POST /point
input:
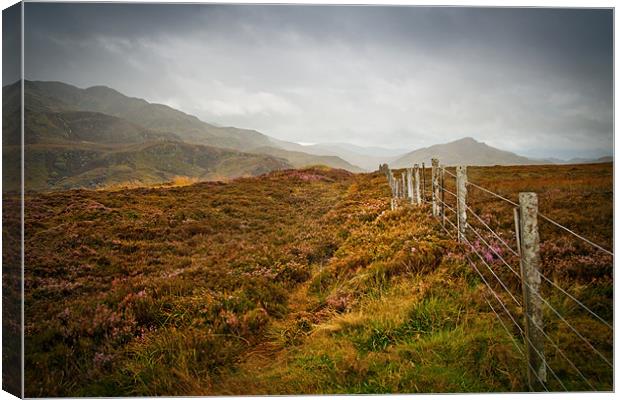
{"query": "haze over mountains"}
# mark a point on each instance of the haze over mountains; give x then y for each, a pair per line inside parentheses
(97, 137)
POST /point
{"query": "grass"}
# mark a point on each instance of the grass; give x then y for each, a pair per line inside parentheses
(294, 282)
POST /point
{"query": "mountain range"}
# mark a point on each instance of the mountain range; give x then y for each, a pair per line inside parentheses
(98, 137)
(466, 151)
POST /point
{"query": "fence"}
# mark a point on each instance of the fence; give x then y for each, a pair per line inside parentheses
(566, 344)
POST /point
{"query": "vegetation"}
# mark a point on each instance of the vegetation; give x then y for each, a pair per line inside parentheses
(298, 281)
(89, 138)
(55, 166)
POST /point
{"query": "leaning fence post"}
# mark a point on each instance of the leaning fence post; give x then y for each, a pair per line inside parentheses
(443, 197)
(397, 185)
(461, 204)
(416, 191)
(423, 182)
(410, 184)
(435, 184)
(529, 246)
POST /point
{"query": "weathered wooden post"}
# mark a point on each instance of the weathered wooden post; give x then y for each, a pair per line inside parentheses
(410, 184)
(529, 249)
(435, 186)
(416, 188)
(403, 184)
(397, 186)
(423, 182)
(443, 197)
(461, 203)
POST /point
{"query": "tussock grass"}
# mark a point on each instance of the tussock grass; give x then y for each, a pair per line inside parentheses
(295, 282)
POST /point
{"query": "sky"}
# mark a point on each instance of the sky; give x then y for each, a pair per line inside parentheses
(535, 81)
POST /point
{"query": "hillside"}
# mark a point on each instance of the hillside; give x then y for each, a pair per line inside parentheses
(298, 281)
(367, 158)
(300, 159)
(87, 165)
(57, 112)
(466, 151)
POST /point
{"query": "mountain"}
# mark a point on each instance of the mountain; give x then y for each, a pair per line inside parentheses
(368, 158)
(157, 119)
(466, 151)
(374, 151)
(580, 160)
(91, 165)
(67, 148)
(97, 136)
(300, 159)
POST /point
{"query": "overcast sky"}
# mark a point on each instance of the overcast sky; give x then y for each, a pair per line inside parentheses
(534, 81)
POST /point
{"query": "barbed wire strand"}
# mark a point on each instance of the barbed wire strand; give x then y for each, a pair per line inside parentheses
(577, 301)
(449, 192)
(495, 252)
(575, 234)
(572, 327)
(491, 270)
(517, 325)
(496, 296)
(447, 206)
(492, 193)
(448, 172)
(552, 309)
(545, 218)
(491, 230)
(544, 277)
(512, 337)
(517, 274)
(517, 344)
(555, 346)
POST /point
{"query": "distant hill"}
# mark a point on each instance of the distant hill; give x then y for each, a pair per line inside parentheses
(300, 159)
(88, 165)
(580, 160)
(47, 100)
(368, 158)
(466, 151)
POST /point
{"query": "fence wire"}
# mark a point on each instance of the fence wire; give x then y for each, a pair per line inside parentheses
(454, 209)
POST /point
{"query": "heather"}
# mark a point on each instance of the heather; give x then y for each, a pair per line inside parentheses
(298, 281)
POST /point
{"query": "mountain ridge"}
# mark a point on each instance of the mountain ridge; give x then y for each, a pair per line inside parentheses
(464, 151)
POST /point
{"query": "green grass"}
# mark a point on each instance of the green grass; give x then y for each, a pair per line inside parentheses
(297, 282)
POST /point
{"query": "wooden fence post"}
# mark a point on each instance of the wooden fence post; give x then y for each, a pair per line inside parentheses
(435, 186)
(443, 197)
(423, 182)
(529, 247)
(403, 182)
(416, 188)
(410, 184)
(461, 204)
(397, 184)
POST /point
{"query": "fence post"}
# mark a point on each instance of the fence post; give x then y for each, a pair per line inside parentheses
(397, 184)
(529, 246)
(443, 197)
(435, 185)
(416, 188)
(403, 182)
(461, 204)
(410, 184)
(423, 182)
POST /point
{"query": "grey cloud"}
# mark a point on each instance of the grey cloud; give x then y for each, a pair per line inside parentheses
(519, 79)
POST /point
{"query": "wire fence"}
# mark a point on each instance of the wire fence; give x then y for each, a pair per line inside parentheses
(573, 349)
